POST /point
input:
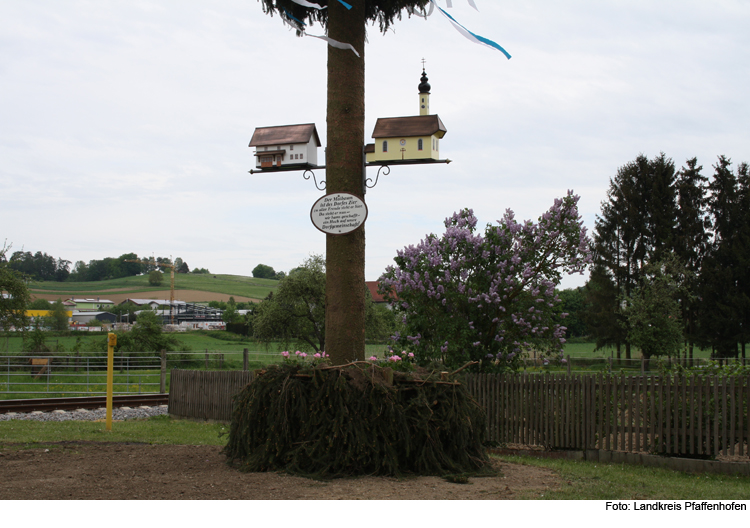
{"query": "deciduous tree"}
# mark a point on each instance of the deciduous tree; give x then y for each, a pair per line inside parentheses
(155, 278)
(14, 296)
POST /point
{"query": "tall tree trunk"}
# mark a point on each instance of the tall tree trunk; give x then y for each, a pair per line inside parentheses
(345, 254)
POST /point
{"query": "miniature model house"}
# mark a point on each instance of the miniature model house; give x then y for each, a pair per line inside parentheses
(408, 138)
(287, 145)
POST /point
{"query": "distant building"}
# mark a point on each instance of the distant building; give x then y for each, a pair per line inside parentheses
(287, 145)
(85, 305)
(87, 317)
(156, 304)
(376, 297)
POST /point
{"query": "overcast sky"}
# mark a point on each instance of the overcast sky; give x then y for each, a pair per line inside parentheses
(124, 125)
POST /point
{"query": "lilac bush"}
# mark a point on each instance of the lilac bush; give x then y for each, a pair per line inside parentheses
(489, 298)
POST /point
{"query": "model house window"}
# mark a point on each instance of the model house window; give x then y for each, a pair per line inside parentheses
(301, 156)
(385, 146)
(419, 144)
(291, 147)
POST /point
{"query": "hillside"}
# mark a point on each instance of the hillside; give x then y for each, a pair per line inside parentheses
(188, 287)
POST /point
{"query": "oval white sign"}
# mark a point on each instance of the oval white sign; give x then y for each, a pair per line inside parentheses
(339, 213)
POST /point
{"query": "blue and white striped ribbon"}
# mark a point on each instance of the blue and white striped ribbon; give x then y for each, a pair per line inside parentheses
(477, 39)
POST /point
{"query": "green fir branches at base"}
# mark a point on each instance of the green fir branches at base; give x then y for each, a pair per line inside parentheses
(328, 422)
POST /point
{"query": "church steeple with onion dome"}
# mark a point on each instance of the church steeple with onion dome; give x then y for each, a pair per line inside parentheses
(424, 93)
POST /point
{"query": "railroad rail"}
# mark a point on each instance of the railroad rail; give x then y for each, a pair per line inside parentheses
(84, 402)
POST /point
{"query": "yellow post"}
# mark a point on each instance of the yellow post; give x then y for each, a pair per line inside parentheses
(111, 343)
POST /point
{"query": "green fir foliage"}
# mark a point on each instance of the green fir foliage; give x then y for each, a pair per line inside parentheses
(357, 419)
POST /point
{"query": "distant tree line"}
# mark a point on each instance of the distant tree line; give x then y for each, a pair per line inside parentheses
(40, 266)
(671, 260)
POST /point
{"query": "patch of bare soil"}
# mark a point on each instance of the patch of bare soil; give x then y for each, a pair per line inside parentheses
(127, 471)
(179, 295)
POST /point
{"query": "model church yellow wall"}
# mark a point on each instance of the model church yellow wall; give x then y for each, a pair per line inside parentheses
(410, 149)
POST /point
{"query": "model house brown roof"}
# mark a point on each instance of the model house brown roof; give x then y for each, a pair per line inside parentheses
(278, 135)
(409, 126)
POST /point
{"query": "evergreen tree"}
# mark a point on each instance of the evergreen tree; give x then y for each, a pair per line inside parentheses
(721, 276)
(691, 239)
(743, 253)
(637, 225)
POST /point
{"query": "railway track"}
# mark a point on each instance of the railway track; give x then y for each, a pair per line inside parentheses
(84, 402)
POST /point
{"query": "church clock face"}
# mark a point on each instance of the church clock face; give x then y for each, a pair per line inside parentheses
(403, 142)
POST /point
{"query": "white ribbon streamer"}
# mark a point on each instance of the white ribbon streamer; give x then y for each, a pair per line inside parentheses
(334, 43)
(305, 3)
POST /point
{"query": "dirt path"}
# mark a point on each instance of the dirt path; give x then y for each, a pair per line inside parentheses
(128, 471)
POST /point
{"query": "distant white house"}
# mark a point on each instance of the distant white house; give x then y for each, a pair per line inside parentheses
(287, 145)
(86, 305)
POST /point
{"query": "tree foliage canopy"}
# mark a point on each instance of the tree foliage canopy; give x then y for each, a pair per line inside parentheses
(155, 278)
(295, 313)
(145, 336)
(464, 296)
(653, 214)
(57, 319)
(382, 12)
(14, 296)
(653, 312)
(263, 271)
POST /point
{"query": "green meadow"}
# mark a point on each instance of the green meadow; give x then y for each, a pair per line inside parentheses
(236, 285)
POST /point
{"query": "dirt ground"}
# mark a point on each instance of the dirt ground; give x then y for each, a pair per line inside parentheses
(138, 471)
(180, 295)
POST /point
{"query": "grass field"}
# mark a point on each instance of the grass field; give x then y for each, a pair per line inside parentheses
(595, 481)
(155, 430)
(226, 284)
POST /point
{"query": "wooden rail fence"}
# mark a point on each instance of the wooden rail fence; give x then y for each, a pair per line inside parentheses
(205, 395)
(674, 415)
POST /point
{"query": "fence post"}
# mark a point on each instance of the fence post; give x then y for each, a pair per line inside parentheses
(568, 364)
(206, 359)
(244, 360)
(163, 377)
(609, 362)
(643, 366)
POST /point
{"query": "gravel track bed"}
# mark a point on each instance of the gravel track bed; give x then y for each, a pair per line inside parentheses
(121, 413)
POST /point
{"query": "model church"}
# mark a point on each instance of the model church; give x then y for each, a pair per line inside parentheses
(408, 138)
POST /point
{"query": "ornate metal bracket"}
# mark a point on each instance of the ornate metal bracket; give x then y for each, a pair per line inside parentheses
(321, 187)
(386, 171)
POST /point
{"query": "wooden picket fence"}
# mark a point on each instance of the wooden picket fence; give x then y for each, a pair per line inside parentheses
(204, 394)
(673, 415)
